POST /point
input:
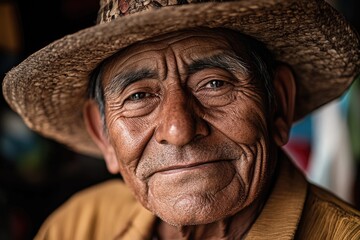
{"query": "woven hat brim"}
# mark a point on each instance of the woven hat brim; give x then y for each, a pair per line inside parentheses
(49, 88)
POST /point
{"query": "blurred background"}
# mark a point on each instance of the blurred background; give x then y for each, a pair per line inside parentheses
(37, 174)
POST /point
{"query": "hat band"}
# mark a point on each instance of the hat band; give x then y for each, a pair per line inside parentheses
(112, 9)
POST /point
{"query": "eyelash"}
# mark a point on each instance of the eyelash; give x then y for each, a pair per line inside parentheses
(135, 97)
(216, 81)
(138, 93)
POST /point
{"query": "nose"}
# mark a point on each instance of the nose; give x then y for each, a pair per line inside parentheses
(179, 122)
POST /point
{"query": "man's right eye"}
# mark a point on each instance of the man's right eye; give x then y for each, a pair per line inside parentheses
(214, 84)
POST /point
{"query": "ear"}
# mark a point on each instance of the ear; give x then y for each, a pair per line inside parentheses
(94, 126)
(285, 91)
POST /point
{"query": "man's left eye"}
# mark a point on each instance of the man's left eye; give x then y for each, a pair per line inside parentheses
(138, 96)
(215, 84)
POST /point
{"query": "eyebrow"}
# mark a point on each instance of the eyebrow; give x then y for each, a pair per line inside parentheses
(228, 61)
(122, 80)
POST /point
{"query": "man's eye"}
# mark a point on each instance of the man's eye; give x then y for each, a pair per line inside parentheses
(215, 84)
(138, 96)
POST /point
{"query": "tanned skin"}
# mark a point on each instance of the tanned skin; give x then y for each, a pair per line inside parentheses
(193, 139)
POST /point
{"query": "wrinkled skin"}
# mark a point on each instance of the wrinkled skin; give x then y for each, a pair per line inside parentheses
(196, 145)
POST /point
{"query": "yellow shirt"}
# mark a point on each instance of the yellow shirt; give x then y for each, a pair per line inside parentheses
(295, 209)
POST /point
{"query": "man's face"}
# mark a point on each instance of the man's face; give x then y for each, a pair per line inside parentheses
(187, 126)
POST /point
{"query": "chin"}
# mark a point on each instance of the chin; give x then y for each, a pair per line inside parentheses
(198, 210)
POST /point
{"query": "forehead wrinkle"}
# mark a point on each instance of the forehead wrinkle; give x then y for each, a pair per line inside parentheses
(173, 59)
(227, 60)
(199, 39)
(125, 57)
(124, 79)
(174, 43)
(153, 46)
(171, 40)
(189, 56)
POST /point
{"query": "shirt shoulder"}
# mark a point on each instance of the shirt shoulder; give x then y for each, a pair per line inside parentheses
(94, 213)
(326, 216)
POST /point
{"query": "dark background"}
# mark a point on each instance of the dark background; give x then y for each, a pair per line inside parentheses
(37, 174)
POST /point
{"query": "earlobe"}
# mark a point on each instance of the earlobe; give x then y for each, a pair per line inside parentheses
(94, 126)
(285, 91)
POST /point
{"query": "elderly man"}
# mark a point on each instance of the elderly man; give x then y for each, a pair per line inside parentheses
(191, 104)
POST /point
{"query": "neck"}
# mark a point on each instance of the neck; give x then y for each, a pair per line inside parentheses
(234, 227)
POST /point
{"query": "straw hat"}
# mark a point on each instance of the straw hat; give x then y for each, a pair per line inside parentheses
(48, 89)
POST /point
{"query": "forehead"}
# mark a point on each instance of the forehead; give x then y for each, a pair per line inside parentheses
(201, 39)
(187, 45)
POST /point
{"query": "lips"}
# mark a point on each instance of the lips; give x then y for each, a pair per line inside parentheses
(184, 167)
(170, 159)
(174, 169)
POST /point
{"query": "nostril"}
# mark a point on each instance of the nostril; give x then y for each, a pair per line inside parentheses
(197, 137)
(163, 142)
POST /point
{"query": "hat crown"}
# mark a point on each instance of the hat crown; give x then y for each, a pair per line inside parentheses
(112, 9)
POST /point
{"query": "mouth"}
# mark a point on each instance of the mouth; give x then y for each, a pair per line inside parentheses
(187, 167)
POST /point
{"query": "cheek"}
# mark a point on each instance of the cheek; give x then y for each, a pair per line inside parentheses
(242, 123)
(129, 138)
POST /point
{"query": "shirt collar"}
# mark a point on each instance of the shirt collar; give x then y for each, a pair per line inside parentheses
(282, 211)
